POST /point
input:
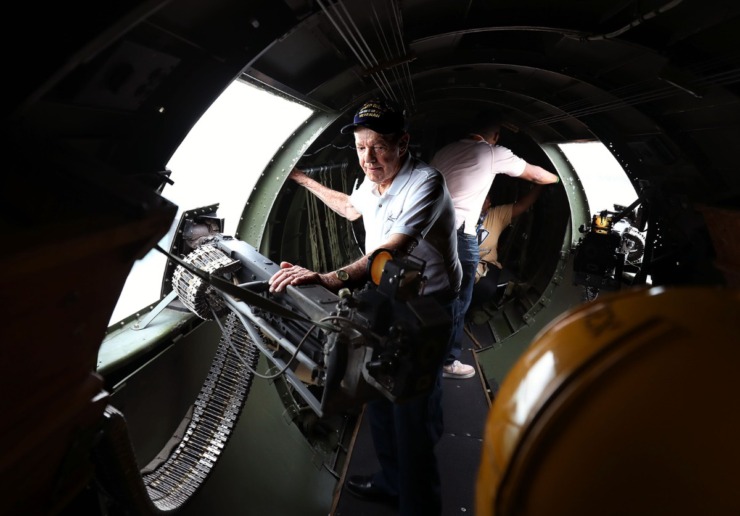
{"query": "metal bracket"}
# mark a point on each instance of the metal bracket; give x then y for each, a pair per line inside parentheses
(144, 322)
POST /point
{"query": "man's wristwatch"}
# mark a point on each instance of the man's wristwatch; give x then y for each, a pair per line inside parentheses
(342, 275)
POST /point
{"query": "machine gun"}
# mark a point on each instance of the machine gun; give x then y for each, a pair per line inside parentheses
(335, 351)
(611, 242)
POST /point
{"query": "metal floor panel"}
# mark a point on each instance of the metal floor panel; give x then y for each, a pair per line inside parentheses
(465, 406)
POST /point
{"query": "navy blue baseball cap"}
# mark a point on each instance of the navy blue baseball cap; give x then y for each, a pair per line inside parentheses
(380, 115)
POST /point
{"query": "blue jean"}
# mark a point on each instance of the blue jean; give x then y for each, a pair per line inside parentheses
(404, 436)
(467, 252)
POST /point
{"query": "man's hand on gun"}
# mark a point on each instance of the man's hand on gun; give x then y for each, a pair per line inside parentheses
(290, 274)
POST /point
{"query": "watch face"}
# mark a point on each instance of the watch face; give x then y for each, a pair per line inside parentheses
(342, 275)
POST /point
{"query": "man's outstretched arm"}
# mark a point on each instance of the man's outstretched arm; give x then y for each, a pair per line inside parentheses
(538, 175)
(337, 201)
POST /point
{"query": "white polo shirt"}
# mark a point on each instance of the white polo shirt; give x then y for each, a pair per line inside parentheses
(469, 167)
(416, 204)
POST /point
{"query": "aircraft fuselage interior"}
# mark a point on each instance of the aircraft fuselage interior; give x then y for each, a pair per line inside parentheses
(213, 395)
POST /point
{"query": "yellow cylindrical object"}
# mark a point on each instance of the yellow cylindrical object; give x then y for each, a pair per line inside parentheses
(626, 405)
(377, 264)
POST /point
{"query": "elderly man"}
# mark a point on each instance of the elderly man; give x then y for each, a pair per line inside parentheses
(405, 206)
